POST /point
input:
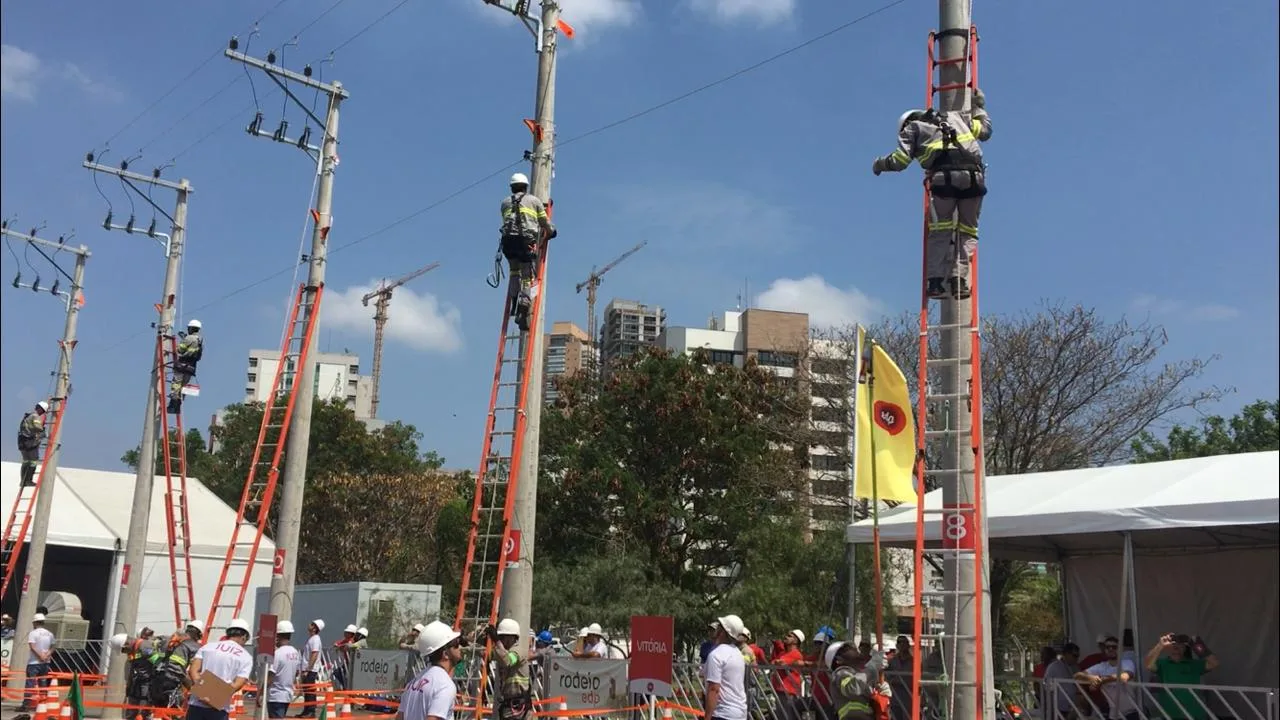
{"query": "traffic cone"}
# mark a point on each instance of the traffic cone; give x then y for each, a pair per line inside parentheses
(41, 712)
(346, 708)
(239, 708)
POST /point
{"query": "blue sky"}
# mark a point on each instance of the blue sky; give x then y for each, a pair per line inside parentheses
(1128, 172)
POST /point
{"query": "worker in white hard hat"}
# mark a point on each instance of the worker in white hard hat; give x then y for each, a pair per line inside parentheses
(30, 437)
(141, 653)
(228, 661)
(41, 643)
(726, 672)
(343, 650)
(190, 350)
(947, 146)
(312, 660)
(593, 643)
(431, 694)
(409, 643)
(526, 226)
(172, 665)
(283, 672)
(514, 695)
(854, 680)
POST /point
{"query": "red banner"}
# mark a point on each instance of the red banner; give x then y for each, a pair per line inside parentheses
(652, 642)
(511, 551)
(266, 634)
(277, 565)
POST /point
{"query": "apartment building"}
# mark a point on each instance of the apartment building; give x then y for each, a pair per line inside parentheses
(337, 376)
(566, 350)
(629, 326)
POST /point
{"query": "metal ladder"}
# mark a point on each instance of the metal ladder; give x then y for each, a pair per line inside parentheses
(174, 455)
(18, 523)
(492, 540)
(961, 522)
(254, 512)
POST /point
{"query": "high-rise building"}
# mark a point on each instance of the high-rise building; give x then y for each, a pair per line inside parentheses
(629, 326)
(566, 351)
(337, 377)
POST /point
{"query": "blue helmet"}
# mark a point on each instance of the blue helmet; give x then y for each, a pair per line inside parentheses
(545, 637)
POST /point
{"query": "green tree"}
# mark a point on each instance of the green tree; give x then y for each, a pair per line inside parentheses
(663, 470)
(199, 460)
(1254, 429)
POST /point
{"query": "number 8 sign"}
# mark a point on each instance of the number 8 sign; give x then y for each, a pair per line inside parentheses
(957, 528)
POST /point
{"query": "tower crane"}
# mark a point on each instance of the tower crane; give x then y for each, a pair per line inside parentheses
(591, 283)
(383, 301)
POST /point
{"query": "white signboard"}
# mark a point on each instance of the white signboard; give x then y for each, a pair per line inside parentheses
(386, 670)
(589, 684)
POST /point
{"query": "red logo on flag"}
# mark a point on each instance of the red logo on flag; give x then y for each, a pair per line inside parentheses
(889, 417)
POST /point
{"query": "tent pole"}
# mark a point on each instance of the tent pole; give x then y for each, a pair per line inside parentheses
(109, 617)
(1123, 608)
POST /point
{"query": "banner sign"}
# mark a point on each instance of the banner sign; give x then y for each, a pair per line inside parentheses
(588, 684)
(386, 670)
(652, 641)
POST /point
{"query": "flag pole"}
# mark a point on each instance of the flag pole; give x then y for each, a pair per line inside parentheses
(875, 504)
(859, 333)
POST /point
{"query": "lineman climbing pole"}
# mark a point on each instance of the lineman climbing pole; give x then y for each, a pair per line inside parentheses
(294, 422)
(155, 422)
(951, 406)
(39, 520)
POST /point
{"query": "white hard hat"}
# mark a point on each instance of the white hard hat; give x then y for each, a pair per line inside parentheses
(821, 637)
(908, 116)
(38, 617)
(583, 633)
(284, 627)
(830, 656)
(197, 625)
(519, 179)
(194, 324)
(239, 624)
(118, 641)
(418, 628)
(746, 634)
(509, 627)
(435, 636)
(318, 623)
(363, 631)
(799, 635)
(43, 405)
(351, 629)
(732, 625)
(594, 629)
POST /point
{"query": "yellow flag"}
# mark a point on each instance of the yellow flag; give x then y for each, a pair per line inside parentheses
(886, 439)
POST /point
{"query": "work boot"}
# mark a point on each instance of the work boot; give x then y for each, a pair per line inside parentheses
(936, 288)
(175, 405)
(522, 316)
(959, 288)
(28, 476)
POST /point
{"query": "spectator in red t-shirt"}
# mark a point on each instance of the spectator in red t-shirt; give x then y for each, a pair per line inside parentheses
(788, 683)
(820, 704)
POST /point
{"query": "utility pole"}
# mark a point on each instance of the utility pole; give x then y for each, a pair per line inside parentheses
(974, 689)
(135, 548)
(517, 586)
(294, 476)
(30, 591)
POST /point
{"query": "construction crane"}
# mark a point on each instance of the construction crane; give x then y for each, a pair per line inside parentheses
(591, 283)
(383, 295)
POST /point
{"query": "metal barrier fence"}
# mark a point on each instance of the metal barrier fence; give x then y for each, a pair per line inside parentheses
(1139, 700)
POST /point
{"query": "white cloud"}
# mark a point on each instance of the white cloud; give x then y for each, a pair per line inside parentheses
(1155, 305)
(419, 321)
(589, 14)
(759, 12)
(827, 306)
(21, 72)
(18, 71)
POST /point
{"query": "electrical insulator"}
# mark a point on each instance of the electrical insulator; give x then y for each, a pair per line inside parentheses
(306, 71)
(305, 138)
(54, 290)
(256, 124)
(88, 157)
(17, 279)
(271, 57)
(151, 229)
(106, 224)
(35, 286)
(279, 134)
(128, 227)
(234, 44)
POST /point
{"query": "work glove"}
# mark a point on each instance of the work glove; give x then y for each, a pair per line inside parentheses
(979, 99)
(552, 232)
(877, 167)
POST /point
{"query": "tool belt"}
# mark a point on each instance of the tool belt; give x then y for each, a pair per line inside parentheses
(515, 708)
(519, 248)
(942, 181)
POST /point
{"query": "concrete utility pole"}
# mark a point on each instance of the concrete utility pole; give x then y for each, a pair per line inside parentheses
(294, 476)
(974, 689)
(135, 550)
(517, 585)
(30, 591)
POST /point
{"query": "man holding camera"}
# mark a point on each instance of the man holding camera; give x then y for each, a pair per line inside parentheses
(1180, 659)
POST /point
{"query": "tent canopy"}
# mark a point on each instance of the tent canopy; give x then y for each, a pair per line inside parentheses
(1219, 502)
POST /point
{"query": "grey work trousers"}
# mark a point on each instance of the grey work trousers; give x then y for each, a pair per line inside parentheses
(953, 230)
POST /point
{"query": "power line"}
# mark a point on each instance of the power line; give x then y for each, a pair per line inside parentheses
(595, 131)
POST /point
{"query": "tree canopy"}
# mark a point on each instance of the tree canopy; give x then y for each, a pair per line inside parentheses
(1253, 429)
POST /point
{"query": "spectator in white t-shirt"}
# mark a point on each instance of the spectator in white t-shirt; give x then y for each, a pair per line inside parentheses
(313, 660)
(726, 673)
(430, 695)
(283, 672)
(1062, 670)
(40, 640)
(1112, 675)
(593, 644)
(228, 661)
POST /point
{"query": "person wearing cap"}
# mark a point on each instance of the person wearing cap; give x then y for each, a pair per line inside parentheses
(228, 661)
(593, 644)
(431, 694)
(789, 683)
(514, 695)
(40, 640)
(7, 630)
(283, 672)
(726, 673)
(312, 659)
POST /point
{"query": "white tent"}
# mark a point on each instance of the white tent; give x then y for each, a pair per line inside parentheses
(1205, 540)
(91, 510)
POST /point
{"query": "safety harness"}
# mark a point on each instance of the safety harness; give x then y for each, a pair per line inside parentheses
(30, 431)
(954, 157)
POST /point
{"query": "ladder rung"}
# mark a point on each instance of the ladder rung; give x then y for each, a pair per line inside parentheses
(949, 326)
(947, 361)
(932, 681)
(946, 396)
(936, 433)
